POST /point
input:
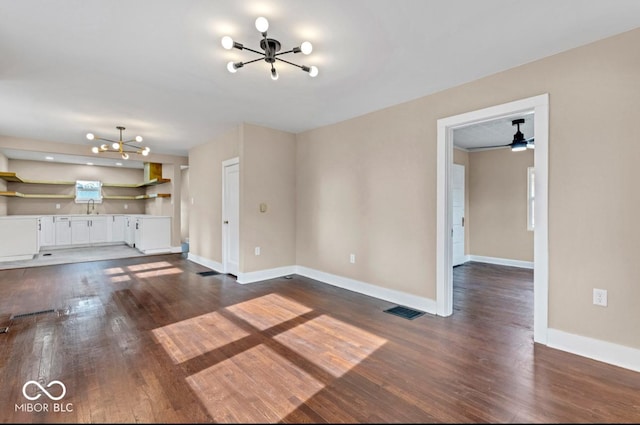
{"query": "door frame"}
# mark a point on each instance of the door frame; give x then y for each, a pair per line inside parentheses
(225, 231)
(444, 270)
(464, 211)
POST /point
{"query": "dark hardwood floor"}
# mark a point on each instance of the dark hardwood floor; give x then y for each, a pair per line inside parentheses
(150, 340)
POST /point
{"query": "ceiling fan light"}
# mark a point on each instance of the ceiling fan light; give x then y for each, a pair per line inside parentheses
(306, 48)
(530, 145)
(262, 24)
(519, 147)
(90, 136)
(274, 74)
(313, 71)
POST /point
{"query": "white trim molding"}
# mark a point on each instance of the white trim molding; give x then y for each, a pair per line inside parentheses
(213, 265)
(260, 275)
(424, 304)
(607, 352)
(444, 271)
(501, 261)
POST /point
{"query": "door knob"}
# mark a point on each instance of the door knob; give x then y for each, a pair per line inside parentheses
(226, 222)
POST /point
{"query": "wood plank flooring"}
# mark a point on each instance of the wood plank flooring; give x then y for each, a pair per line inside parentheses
(149, 340)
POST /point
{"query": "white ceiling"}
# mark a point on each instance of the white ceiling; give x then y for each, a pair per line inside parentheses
(68, 67)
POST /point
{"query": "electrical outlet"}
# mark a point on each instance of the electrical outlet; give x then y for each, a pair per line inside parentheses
(600, 297)
(257, 250)
(352, 258)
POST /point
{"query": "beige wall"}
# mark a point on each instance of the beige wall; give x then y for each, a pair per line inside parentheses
(267, 175)
(205, 212)
(461, 157)
(40, 170)
(498, 204)
(368, 186)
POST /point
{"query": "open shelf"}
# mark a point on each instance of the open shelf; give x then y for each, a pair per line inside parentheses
(14, 178)
(134, 197)
(35, 195)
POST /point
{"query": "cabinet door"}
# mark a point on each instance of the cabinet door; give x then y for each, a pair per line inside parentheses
(130, 224)
(117, 228)
(62, 230)
(80, 232)
(98, 229)
(47, 231)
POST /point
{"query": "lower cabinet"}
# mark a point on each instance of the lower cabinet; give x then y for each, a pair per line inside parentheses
(62, 232)
(46, 231)
(88, 230)
(150, 234)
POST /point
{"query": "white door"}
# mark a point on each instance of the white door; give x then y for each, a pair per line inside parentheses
(231, 216)
(457, 194)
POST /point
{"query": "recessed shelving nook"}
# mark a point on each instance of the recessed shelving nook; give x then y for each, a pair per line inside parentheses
(152, 177)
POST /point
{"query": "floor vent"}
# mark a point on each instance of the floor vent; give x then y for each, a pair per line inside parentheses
(4, 330)
(405, 312)
(33, 313)
(208, 273)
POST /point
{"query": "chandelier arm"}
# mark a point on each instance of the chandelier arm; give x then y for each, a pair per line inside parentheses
(284, 53)
(255, 51)
(107, 140)
(251, 61)
(290, 63)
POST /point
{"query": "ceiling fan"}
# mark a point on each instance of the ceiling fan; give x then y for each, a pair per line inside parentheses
(519, 143)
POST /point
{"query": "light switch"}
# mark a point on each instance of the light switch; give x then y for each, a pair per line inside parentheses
(263, 207)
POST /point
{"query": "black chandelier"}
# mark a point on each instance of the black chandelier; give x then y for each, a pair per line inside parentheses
(271, 51)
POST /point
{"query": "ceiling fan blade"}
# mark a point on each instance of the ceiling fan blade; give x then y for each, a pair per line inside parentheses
(488, 147)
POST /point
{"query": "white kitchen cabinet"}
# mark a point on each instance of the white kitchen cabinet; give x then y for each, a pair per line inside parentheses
(19, 237)
(46, 231)
(152, 234)
(88, 230)
(98, 229)
(129, 230)
(116, 232)
(62, 230)
(80, 231)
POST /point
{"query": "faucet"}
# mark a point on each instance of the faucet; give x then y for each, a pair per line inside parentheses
(93, 205)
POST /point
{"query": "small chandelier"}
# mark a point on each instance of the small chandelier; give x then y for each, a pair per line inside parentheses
(271, 51)
(124, 147)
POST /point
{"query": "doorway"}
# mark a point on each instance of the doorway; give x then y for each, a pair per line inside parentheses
(539, 105)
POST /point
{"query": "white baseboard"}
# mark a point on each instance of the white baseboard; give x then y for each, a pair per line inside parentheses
(607, 352)
(391, 295)
(17, 257)
(213, 265)
(259, 275)
(501, 261)
(176, 249)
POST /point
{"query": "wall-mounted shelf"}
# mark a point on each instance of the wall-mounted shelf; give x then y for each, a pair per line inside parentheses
(35, 195)
(135, 198)
(13, 178)
(15, 194)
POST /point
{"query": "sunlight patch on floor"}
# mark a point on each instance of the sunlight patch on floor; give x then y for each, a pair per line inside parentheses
(268, 311)
(154, 273)
(193, 337)
(241, 389)
(148, 266)
(332, 344)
